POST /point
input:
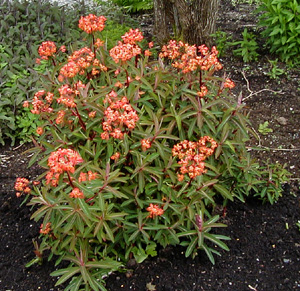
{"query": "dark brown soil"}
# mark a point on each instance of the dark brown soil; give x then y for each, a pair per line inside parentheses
(265, 247)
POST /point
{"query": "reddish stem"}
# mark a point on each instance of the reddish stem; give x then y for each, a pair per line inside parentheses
(70, 180)
(82, 124)
(95, 195)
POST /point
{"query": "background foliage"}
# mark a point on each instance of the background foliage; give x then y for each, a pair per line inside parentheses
(134, 5)
(23, 25)
(281, 22)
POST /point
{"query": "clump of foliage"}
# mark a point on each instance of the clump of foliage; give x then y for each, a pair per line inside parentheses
(247, 47)
(136, 152)
(113, 33)
(275, 72)
(132, 6)
(222, 41)
(251, 2)
(264, 128)
(281, 22)
(23, 25)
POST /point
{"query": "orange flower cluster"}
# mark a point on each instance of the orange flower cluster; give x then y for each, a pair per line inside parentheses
(89, 176)
(229, 84)
(83, 57)
(60, 161)
(147, 53)
(124, 52)
(78, 85)
(98, 43)
(92, 114)
(192, 156)
(60, 116)
(67, 95)
(92, 23)
(115, 156)
(26, 104)
(118, 114)
(96, 66)
(127, 49)
(78, 62)
(154, 210)
(76, 193)
(45, 230)
(188, 59)
(39, 130)
(47, 49)
(203, 91)
(21, 186)
(132, 36)
(41, 102)
(146, 144)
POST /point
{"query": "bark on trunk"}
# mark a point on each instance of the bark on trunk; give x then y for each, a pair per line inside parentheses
(160, 21)
(194, 20)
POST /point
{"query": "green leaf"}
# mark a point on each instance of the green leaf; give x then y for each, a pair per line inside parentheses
(85, 207)
(134, 235)
(226, 117)
(139, 254)
(104, 264)
(74, 284)
(191, 247)
(216, 241)
(208, 253)
(275, 31)
(223, 191)
(32, 262)
(37, 215)
(108, 231)
(65, 274)
(187, 233)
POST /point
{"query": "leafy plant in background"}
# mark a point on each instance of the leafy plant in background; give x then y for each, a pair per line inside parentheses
(236, 2)
(247, 48)
(132, 6)
(27, 124)
(136, 151)
(281, 22)
(275, 72)
(23, 25)
(113, 33)
(222, 41)
(264, 129)
(276, 174)
(298, 224)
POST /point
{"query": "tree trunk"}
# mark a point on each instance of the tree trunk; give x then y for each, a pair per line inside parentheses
(194, 20)
(161, 20)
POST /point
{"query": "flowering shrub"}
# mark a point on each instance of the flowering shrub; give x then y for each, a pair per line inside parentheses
(136, 151)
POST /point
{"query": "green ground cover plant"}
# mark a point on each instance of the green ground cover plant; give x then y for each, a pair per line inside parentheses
(137, 152)
(275, 72)
(133, 6)
(280, 20)
(247, 47)
(222, 41)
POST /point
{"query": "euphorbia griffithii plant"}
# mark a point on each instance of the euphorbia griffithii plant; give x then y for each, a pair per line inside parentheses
(136, 151)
